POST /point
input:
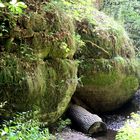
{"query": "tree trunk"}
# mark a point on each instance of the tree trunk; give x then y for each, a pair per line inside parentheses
(85, 121)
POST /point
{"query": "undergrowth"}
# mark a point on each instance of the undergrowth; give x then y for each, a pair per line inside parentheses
(131, 129)
(127, 13)
(21, 128)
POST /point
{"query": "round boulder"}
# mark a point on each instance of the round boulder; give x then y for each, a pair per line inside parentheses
(45, 30)
(108, 66)
(43, 87)
(106, 84)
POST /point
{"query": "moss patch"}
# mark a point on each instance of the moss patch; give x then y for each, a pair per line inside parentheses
(48, 32)
(61, 83)
(40, 86)
(106, 84)
(104, 38)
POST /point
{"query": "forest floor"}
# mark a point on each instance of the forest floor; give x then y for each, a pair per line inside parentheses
(114, 120)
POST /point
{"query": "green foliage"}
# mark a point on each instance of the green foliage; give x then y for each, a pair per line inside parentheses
(61, 124)
(78, 9)
(127, 12)
(16, 7)
(9, 12)
(13, 6)
(22, 129)
(131, 129)
(26, 53)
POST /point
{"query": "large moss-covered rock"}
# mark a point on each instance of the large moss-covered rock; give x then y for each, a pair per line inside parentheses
(104, 38)
(45, 29)
(45, 87)
(108, 65)
(107, 84)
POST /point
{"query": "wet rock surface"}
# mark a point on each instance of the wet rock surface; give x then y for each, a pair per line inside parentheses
(69, 134)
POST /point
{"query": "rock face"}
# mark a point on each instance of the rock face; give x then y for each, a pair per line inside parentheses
(108, 65)
(37, 70)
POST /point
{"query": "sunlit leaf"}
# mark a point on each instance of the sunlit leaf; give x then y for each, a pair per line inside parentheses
(13, 2)
(21, 4)
(2, 5)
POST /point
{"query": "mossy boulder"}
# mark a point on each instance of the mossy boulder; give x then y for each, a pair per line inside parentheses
(45, 87)
(108, 64)
(107, 84)
(104, 38)
(45, 29)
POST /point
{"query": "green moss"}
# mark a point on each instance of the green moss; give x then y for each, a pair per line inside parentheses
(107, 83)
(61, 83)
(130, 84)
(101, 79)
(105, 72)
(45, 87)
(104, 38)
(20, 83)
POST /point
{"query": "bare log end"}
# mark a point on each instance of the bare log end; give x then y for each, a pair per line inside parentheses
(97, 127)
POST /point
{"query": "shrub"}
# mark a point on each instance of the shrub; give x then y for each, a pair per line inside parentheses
(128, 13)
(131, 129)
(22, 129)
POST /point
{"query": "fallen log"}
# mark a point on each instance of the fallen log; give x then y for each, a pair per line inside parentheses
(85, 121)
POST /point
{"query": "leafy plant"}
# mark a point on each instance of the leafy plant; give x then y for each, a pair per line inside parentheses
(78, 9)
(62, 124)
(131, 129)
(13, 6)
(22, 129)
(16, 7)
(9, 14)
